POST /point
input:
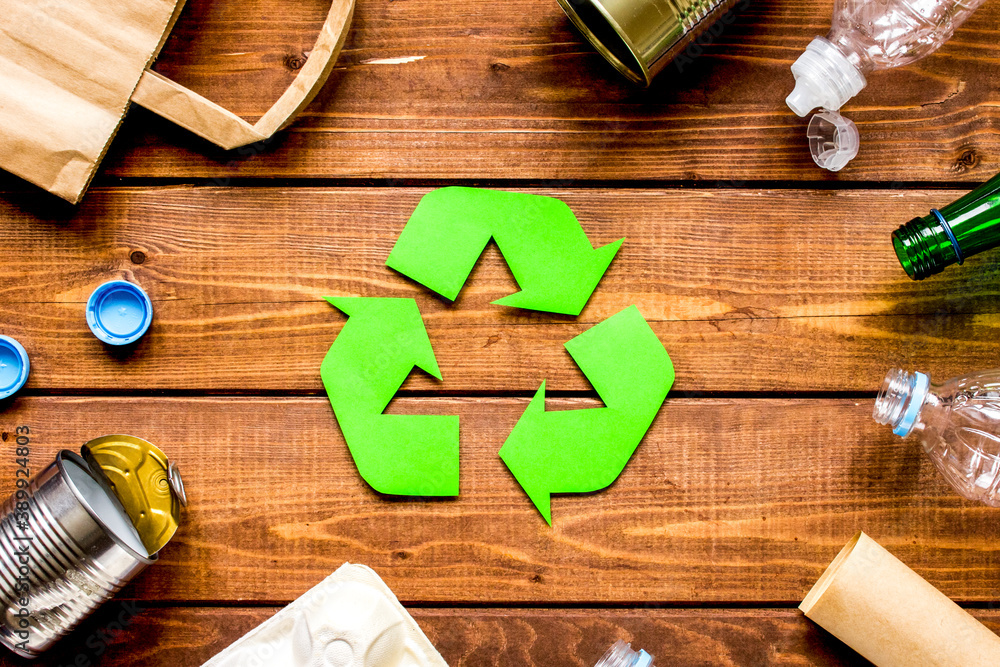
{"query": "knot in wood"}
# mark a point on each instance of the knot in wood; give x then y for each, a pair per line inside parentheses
(969, 159)
(296, 61)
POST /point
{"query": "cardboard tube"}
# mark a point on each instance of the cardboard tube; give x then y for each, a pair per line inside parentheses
(886, 612)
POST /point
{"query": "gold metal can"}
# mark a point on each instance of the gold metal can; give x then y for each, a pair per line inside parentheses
(74, 534)
(640, 37)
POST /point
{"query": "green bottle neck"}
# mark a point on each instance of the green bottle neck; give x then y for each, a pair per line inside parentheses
(924, 245)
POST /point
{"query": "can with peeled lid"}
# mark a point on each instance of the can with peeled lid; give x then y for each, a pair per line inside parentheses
(73, 535)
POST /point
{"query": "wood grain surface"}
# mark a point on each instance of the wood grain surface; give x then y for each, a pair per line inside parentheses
(740, 501)
(497, 90)
(742, 287)
(772, 284)
(490, 637)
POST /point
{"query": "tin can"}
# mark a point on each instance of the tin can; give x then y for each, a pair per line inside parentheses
(640, 37)
(68, 540)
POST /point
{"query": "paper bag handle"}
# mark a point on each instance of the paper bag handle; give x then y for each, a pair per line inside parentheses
(224, 128)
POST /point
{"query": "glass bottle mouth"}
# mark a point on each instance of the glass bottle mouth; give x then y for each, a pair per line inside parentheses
(900, 399)
(923, 247)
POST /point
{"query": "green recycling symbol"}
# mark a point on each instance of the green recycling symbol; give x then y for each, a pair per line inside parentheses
(557, 269)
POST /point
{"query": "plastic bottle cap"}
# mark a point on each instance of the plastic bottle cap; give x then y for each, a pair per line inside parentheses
(824, 77)
(833, 140)
(921, 384)
(14, 367)
(643, 660)
(119, 312)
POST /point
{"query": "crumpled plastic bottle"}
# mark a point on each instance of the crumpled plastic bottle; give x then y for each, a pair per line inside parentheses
(866, 36)
(957, 422)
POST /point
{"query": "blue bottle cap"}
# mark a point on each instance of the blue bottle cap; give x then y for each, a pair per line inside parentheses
(918, 394)
(643, 660)
(14, 367)
(119, 312)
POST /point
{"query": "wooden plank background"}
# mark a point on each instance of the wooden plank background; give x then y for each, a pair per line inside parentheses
(740, 285)
(508, 90)
(771, 283)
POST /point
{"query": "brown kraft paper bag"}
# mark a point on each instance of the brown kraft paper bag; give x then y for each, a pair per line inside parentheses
(70, 68)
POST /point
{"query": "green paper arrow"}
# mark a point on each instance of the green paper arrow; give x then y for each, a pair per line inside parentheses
(383, 339)
(548, 252)
(577, 451)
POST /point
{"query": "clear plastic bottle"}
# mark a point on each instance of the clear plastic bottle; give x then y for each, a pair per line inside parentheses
(621, 655)
(957, 422)
(867, 35)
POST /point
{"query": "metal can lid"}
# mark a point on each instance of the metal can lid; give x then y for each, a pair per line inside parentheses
(119, 312)
(14, 367)
(101, 502)
(148, 485)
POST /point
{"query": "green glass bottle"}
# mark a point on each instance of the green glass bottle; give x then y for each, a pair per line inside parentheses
(963, 228)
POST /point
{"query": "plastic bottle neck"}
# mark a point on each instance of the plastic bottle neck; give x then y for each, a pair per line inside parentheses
(901, 399)
(824, 77)
(622, 655)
